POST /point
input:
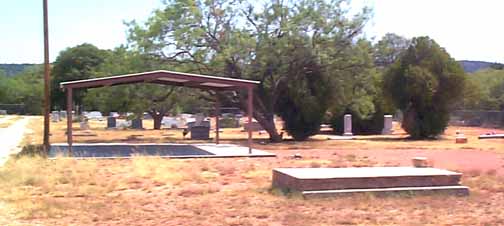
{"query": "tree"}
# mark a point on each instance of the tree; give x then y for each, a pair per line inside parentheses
(75, 63)
(484, 90)
(241, 40)
(424, 84)
(303, 101)
(389, 49)
(24, 88)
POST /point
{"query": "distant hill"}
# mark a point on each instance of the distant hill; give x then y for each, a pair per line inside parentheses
(472, 66)
(13, 69)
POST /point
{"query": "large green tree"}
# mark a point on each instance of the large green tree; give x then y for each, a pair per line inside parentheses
(75, 63)
(24, 88)
(424, 84)
(484, 90)
(244, 40)
(389, 49)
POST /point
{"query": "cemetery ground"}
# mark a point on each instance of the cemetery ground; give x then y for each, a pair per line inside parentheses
(237, 191)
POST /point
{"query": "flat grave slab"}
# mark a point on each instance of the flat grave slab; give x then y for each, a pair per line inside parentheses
(343, 179)
(170, 150)
(491, 136)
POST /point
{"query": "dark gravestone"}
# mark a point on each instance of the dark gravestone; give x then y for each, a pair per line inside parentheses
(204, 123)
(111, 122)
(200, 132)
(136, 124)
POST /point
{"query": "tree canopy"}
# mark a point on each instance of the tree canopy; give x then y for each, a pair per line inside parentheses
(425, 83)
(242, 40)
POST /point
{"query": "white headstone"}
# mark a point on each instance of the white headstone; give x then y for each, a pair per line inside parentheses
(348, 125)
(84, 125)
(387, 124)
(55, 116)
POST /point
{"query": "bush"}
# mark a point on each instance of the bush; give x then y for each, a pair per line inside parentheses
(425, 83)
(303, 101)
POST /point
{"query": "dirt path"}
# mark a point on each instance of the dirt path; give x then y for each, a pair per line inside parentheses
(11, 137)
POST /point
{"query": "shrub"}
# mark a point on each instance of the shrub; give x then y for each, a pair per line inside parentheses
(424, 84)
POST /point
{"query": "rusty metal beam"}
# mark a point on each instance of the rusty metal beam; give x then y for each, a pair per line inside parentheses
(69, 103)
(195, 80)
(217, 113)
(250, 109)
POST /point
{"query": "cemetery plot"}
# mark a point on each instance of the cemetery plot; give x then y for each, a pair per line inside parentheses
(125, 150)
(313, 182)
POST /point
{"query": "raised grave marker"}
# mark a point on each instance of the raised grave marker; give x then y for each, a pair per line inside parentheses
(323, 182)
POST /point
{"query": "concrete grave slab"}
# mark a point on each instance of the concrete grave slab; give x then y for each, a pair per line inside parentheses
(338, 180)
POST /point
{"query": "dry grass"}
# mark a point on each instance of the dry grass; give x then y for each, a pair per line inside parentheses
(156, 191)
(9, 121)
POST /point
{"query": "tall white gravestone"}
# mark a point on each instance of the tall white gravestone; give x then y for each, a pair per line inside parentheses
(387, 124)
(348, 125)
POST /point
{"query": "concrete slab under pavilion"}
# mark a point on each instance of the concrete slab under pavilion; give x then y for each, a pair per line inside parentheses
(168, 150)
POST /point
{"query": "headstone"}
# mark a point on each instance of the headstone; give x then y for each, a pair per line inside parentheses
(123, 124)
(173, 122)
(387, 124)
(84, 125)
(229, 122)
(254, 126)
(3, 112)
(348, 125)
(200, 132)
(136, 123)
(55, 116)
(200, 129)
(460, 138)
(63, 114)
(420, 162)
(204, 123)
(111, 122)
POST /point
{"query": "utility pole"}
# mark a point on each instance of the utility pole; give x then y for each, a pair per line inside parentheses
(47, 80)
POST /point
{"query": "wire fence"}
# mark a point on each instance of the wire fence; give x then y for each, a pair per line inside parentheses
(18, 109)
(477, 118)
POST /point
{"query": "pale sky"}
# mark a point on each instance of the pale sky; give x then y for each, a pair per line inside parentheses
(468, 29)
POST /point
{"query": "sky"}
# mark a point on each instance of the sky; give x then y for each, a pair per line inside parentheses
(467, 29)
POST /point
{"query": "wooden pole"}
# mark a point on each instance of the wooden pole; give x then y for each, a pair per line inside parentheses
(47, 80)
(250, 109)
(217, 123)
(69, 120)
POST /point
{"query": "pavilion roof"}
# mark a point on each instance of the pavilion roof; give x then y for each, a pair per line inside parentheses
(165, 78)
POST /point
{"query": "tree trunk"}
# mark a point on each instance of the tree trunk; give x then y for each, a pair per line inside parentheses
(268, 124)
(158, 118)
